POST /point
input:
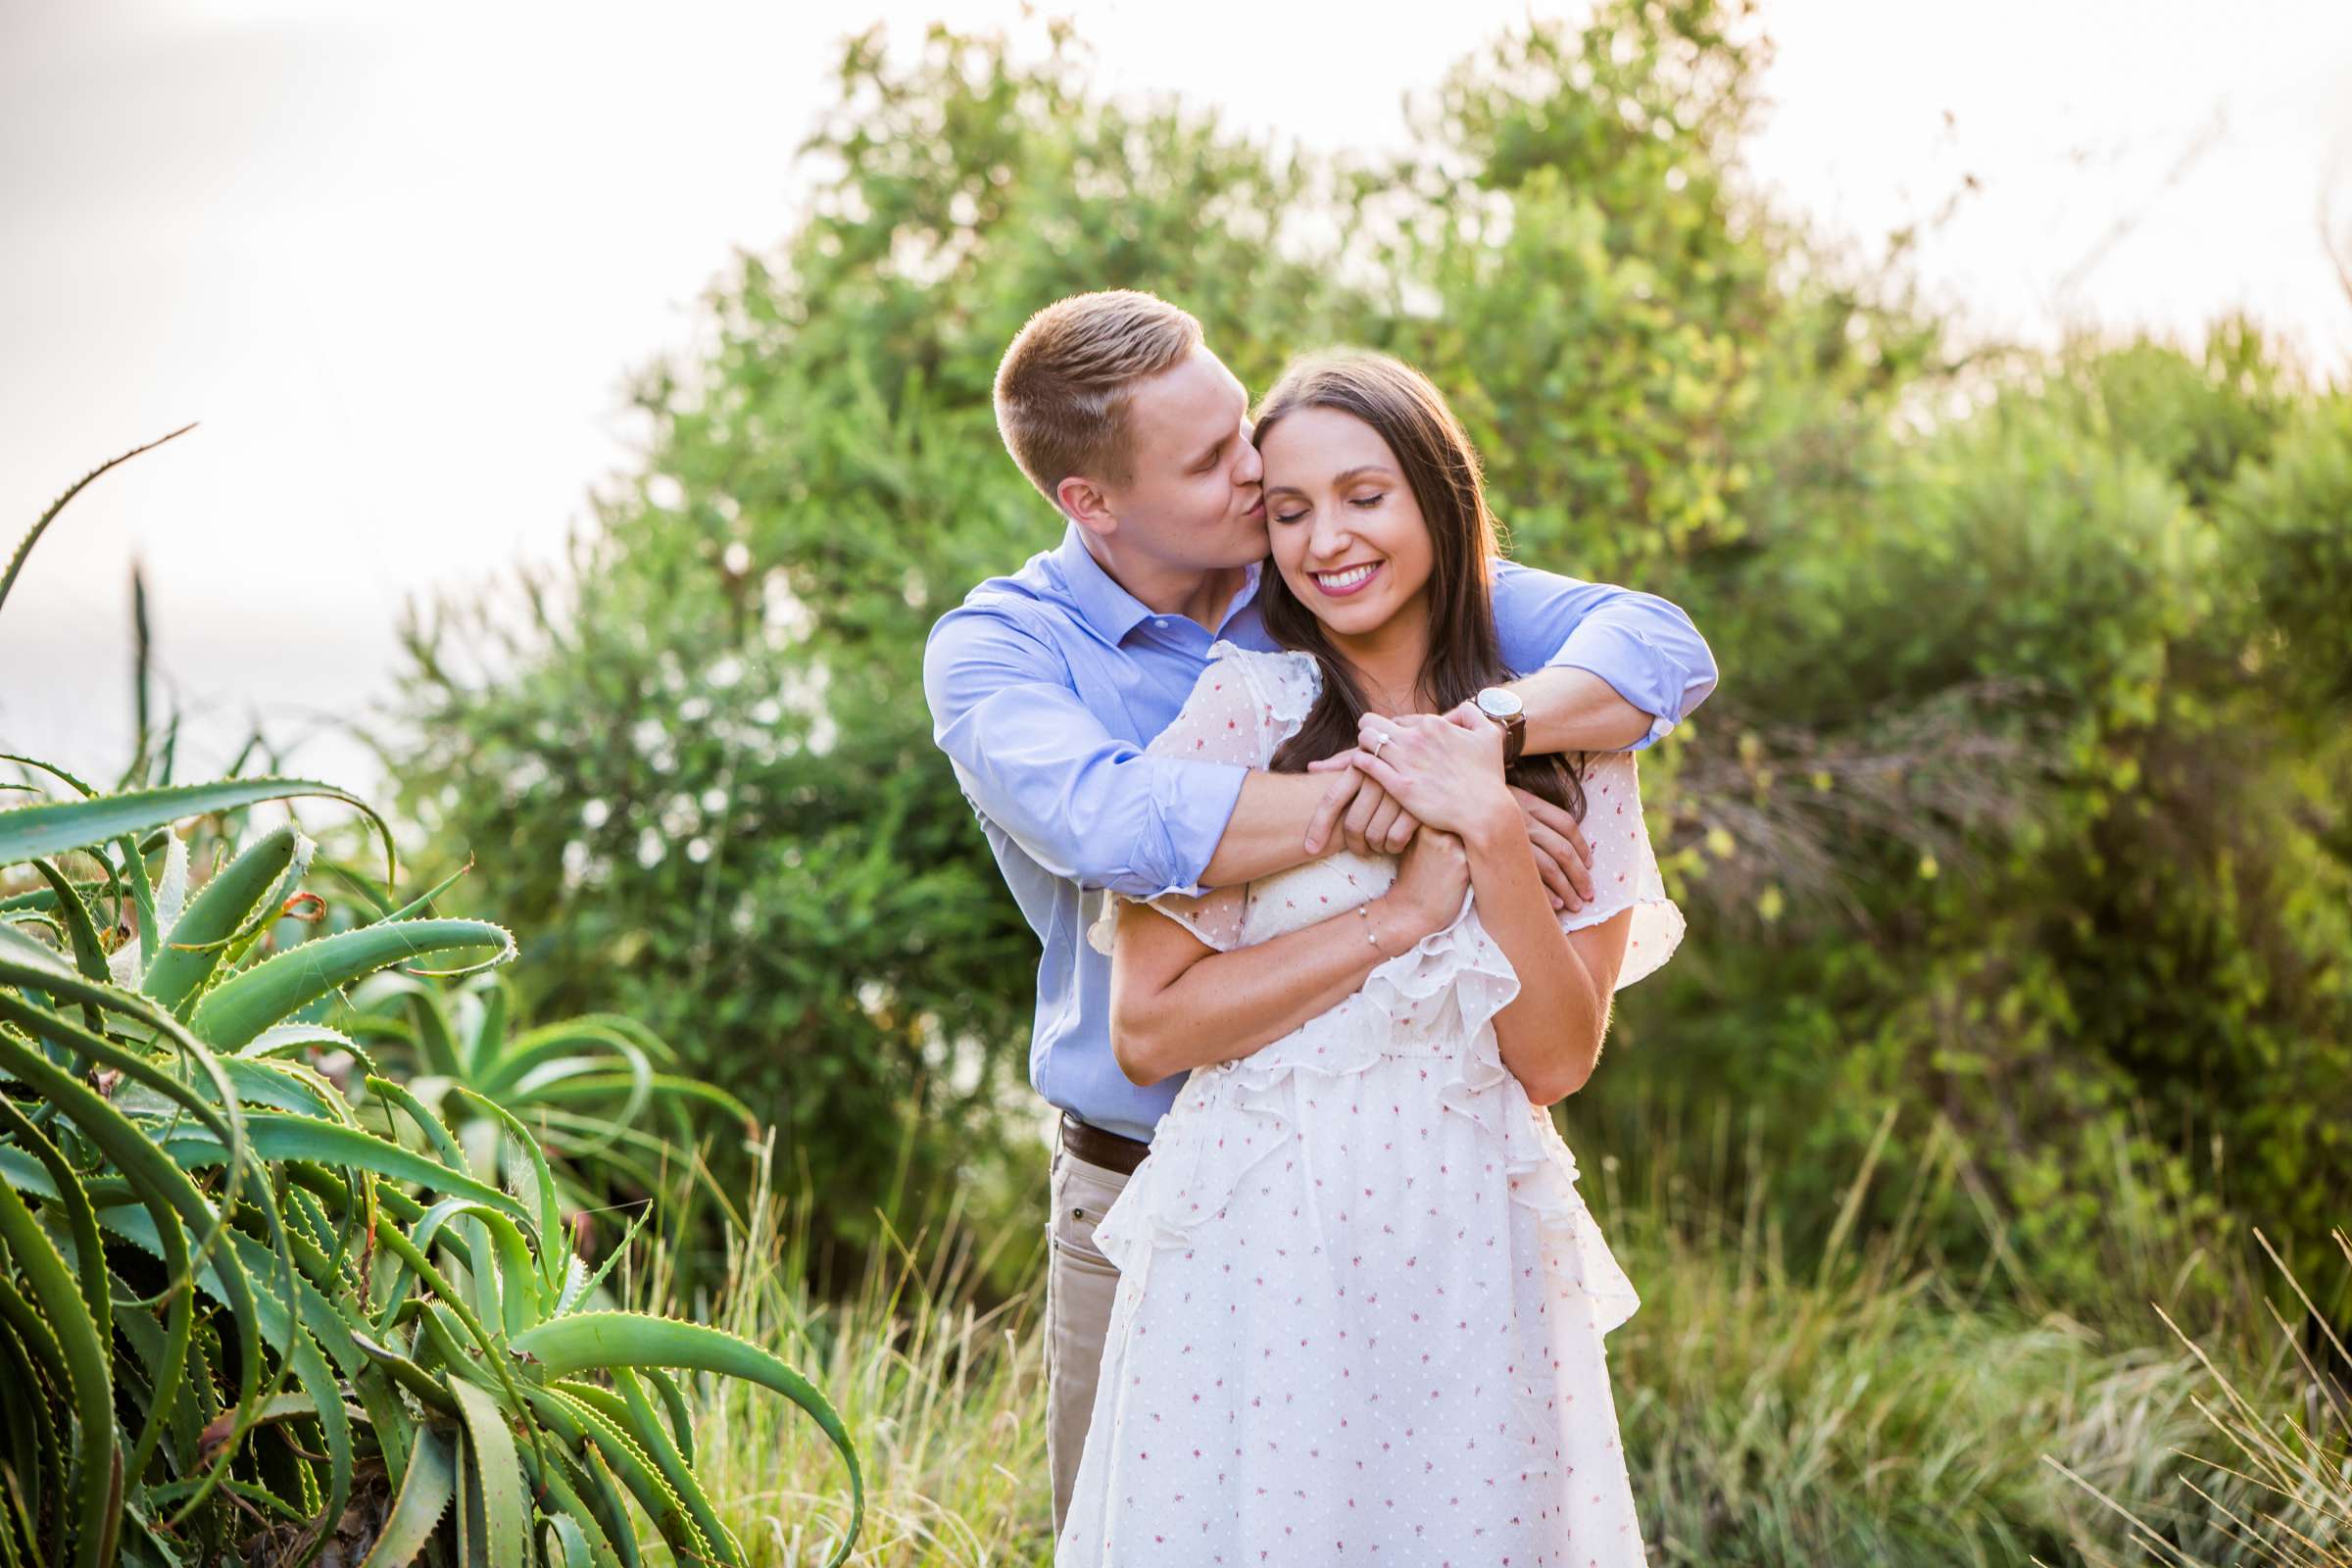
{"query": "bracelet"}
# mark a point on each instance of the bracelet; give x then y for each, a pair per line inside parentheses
(1365, 909)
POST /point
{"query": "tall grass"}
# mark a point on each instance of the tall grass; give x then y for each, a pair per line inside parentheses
(948, 1393)
(2282, 1491)
(1868, 1406)
(1876, 1405)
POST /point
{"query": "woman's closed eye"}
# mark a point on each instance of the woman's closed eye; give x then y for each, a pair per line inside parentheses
(1366, 503)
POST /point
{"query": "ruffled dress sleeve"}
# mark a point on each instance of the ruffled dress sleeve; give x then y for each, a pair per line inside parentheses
(1624, 867)
(1235, 715)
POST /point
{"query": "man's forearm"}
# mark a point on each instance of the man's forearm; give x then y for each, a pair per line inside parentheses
(1268, 831)
(1572, 710)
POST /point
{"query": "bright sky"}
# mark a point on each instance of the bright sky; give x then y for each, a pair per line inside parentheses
(397, 258)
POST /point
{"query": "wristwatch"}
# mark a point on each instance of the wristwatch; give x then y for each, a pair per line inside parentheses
(1502, 704)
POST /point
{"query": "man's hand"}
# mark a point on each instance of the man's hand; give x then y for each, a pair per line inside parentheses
(1376, 821)
(1563, 855)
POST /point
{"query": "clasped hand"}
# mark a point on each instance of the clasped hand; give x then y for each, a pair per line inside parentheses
(1441, 771)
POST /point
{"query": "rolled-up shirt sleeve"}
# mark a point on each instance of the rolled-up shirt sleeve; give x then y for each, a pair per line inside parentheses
(1032, 759)
(1643, 646)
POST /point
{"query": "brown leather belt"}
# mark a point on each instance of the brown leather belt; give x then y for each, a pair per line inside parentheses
(1099, 1145)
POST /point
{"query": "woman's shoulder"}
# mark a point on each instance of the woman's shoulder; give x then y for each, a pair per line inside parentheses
(1612, 779)
(1609, 766)
(1225, 651)
(1285, 681)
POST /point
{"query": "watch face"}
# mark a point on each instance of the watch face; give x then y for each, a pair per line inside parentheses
(1496, 703)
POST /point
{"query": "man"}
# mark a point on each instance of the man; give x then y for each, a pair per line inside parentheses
(1045, 687)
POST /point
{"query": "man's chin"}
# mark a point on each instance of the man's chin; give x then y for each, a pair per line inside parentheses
(1253, 539)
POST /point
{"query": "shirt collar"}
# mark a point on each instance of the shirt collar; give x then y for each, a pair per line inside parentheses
(1110, 609)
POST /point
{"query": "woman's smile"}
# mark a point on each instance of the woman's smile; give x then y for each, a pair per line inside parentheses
(1346, 580)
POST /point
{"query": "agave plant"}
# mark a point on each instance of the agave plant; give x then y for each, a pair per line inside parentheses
(586, 1085)
(237, 1322)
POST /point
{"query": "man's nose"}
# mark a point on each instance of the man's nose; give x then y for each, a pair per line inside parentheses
(1252, 469)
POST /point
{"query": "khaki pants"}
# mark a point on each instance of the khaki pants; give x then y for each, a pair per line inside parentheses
(1080, 1283)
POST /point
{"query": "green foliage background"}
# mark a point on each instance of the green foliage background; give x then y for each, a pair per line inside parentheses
(2021, 804)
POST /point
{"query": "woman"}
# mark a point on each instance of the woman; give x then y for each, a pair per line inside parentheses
(1360, 1303)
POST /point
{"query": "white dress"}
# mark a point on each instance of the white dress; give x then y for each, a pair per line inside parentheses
(1361, 1300)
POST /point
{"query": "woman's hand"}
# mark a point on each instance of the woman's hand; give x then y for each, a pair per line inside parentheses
(1447, 770)
(1432, 880)
(1563, 855)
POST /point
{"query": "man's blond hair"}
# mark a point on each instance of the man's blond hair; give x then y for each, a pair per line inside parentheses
(1063, 386)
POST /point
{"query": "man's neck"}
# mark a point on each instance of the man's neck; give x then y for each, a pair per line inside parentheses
(1200, 596)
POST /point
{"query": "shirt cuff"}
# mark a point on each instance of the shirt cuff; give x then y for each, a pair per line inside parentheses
(1615, 653)
(1195, 802)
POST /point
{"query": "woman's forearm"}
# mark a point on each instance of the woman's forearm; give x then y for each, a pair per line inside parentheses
(1228, 1004)
(1550, 1036)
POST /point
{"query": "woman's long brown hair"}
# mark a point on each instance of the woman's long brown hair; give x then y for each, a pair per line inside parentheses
(1464, 652)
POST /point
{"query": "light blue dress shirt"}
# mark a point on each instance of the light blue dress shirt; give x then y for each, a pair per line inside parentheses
(1045, 687)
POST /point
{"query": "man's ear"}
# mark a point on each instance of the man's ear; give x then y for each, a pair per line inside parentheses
(1083, 503)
